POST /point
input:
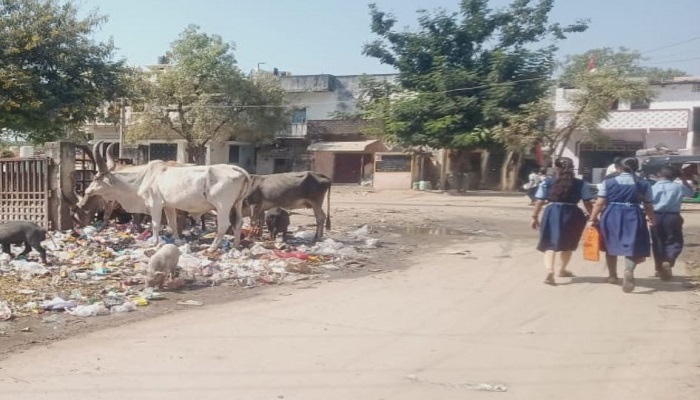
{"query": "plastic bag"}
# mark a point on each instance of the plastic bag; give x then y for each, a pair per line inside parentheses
(92, 310)
(591, 244)
(305, 235)
(58, 304)
(124, 308)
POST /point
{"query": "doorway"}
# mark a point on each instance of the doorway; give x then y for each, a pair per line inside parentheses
(163, 151)
(281, 165)
(347, 168)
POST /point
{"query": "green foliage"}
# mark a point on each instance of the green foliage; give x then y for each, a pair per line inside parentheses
(53, 75)
(202, 96)
(622, 61)
(592, 101)
(464, 73)
(529, 126)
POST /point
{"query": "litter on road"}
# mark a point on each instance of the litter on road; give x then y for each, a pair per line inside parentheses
(97, 271)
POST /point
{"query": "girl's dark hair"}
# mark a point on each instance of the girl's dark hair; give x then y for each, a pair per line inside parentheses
(630, 165)
(563, 178)
(670, 173)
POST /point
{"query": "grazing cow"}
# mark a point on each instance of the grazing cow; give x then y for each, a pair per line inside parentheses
(158, 186)
(291, 190)
(84, 211)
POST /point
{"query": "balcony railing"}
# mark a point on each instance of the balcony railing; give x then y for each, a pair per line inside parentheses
(293, 131)
(639, 119)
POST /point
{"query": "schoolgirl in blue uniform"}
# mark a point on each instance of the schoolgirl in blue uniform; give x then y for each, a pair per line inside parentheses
(625, 232)
(563, 221)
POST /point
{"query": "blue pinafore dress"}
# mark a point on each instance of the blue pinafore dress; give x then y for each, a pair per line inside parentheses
(563, 220)
(623, 226)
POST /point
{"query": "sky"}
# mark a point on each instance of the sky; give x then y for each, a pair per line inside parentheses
(326, 36)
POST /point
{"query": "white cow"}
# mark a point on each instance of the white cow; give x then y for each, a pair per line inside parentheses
(158, 186)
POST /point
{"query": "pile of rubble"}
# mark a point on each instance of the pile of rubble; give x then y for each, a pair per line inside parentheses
(96, 272)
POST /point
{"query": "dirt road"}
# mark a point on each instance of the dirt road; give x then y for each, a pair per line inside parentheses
(467, 318)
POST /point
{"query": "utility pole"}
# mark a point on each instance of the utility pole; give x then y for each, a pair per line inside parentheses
(122, 122)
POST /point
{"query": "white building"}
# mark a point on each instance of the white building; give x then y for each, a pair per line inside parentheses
(671, 119)
(313, 100)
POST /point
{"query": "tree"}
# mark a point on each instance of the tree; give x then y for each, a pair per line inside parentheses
(590, 104)
(594, 97)
(53, 75)
(202, 97)
(521, 132)
(623, 60)
(468, 70)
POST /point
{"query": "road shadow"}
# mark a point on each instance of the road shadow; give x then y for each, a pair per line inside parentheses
(652, 284)
(481, 193)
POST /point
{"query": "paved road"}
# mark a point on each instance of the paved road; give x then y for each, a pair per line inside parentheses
(432, 331)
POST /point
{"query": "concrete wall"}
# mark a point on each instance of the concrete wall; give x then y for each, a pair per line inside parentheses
(392, 180)
(265, 165)
(667, 97)
(323, 95)
(324, 163)
(319, 105)
(675, 96)
(218, 154)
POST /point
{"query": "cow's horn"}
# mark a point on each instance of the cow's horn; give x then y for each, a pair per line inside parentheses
(110, 157)
(99, 160)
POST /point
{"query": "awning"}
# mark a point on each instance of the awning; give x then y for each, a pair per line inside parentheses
(345, 147)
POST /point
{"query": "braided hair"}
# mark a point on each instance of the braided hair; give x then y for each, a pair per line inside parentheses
(631, 166)
(563, 179)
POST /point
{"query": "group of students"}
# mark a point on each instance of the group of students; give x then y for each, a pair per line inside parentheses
(634, 217)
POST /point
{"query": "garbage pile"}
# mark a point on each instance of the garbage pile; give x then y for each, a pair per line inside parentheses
(101, 271)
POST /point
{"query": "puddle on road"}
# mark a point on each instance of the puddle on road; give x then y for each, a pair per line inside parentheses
(426, 231)
(438, 231)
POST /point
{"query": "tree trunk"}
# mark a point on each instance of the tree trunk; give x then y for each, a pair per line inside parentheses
(485, 155)
(509, 171)
(458, 161)
(196, 154)
(443, 169)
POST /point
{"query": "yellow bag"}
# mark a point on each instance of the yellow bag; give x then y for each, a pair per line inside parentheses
(591, 244)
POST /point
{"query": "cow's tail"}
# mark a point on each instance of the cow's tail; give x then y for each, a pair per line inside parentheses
(247, 185)
(328, 205)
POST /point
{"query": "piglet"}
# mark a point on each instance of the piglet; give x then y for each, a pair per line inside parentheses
(277, 221)
(19, 232)
(162, 265)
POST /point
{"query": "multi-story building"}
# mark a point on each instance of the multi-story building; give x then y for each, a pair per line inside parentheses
(313, 100)
(671, 119)
(314, 139)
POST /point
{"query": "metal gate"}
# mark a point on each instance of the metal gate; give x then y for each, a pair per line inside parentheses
(85, 170)
(24, 190)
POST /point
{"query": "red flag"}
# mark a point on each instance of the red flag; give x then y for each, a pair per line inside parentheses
(591, 64)
(539, 154)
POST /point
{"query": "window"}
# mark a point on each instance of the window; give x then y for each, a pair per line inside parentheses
(234, 154)
(163, 151)
(299, 116)
(696, 87)
(639, 105)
